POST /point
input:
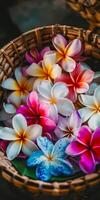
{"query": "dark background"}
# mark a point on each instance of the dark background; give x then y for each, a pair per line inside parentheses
(17, 16)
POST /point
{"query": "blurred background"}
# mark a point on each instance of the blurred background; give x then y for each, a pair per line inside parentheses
(17, 16)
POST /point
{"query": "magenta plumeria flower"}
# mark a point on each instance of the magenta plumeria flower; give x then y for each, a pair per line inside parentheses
(21, 86)
(67, 54)
(87, 147)
(37, 112)
(68, 126)
(77, 81)
(34, 56)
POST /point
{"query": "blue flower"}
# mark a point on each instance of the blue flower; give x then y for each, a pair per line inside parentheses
(51, 159)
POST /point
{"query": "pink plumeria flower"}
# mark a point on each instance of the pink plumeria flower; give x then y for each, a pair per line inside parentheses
(37, 112)
(20, 86)
(67, 53)
(45, 70)
(91, 110)
(87, 147)
(68, 126)
(34, 56)
(77, 81)
(55, 97)
(22, 137)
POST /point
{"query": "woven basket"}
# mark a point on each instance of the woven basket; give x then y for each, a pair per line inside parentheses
(88, 9)
(11, 56)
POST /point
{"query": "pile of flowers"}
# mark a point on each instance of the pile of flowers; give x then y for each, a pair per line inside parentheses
(55, 109)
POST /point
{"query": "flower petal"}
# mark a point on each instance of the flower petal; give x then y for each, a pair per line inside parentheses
(35, 70)
(59, 43)
(59, 90)
(87, 163)
(84, 135)
(74, 122)
(59, 133)
(87, 76)
(18, 75)
(19, 123)
(74, 47)
(82, 87)
(15, 98)
(10, 84)
(50, 59)
(68, 64)
(94, 121)
(87, 100)
(9, 108)
(45, 145)
(35, 159)
(44, 89)
(95, 139)
(56, 71)
(96, 153)
(7, 134)
(53, 112)
(85, 113)
(13, 150)
(28, 147)
(59, 148)
(43, 172)
(47, 124)
(34, 131)
(29, 58)
(75, 148)
(44, 50)
(65, 106)
(33, 101)
(97, 95)
(62, 123)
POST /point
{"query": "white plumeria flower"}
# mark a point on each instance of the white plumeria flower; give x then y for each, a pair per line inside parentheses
(22, 137)
(91, 111)
(68, 126)
(55, 96)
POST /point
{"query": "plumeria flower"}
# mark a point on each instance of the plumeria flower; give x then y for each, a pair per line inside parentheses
(22, 137)
(50, 159)
(37, 112)
(45, 70)
(77, 81)
(20, 86)
(91, 111)
(87, 147)
(68, 126)
(67, 53)
(34, 56)
(55, 97)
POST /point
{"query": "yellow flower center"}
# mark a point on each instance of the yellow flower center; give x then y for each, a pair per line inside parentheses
(53, 100)
(50, 158)
(22, 136)
(96, 108)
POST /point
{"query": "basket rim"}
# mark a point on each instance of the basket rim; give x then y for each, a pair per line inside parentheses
(55, 187)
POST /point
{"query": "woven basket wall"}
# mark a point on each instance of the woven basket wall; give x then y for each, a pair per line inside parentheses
(88, 9)
(11, 56)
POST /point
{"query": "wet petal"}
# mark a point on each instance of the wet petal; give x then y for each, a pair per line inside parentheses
(75, 148)
(47, 124)
(43, 171)
(7, 134)
(74, 48)
(35, 159)
(10, 84)
(87, 163)
(45, 145)
(84, 135)
(59, 148)
(59, 90)
(44, 89)
(13, 150)
(33, 132)
(59, 43)
(68, 64)
(29, 147)
(85, 113)
(94, 121)
(65, 106)
(19, 123)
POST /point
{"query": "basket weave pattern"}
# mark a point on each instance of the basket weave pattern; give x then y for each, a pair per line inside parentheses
(11, 56)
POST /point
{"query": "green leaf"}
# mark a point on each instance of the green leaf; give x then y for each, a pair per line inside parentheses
(20, 165)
